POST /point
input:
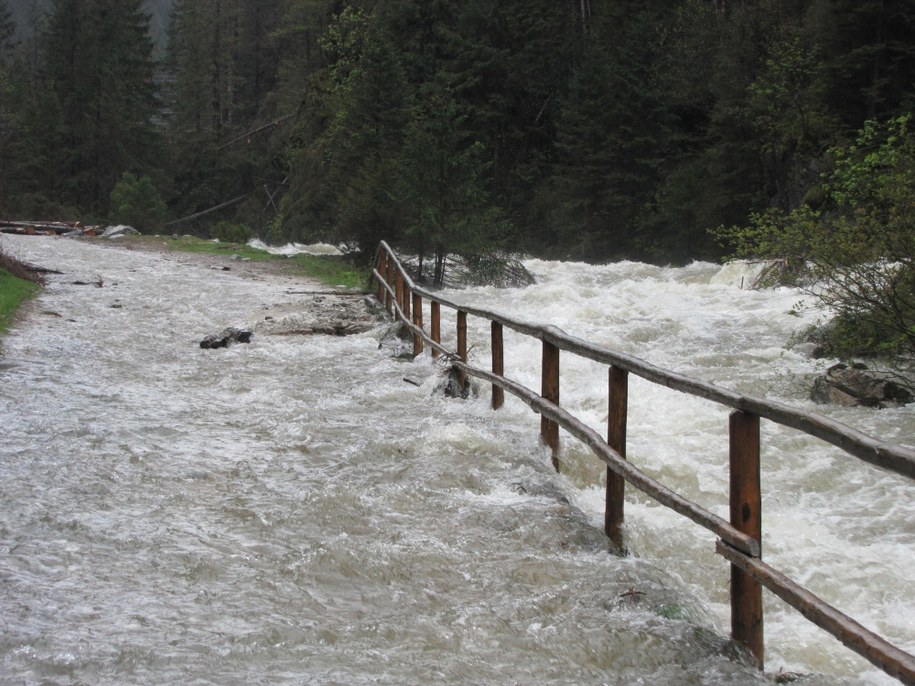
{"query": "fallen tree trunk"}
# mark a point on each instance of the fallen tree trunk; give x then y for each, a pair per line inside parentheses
(37, 227)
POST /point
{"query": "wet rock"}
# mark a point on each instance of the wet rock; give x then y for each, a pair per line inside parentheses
(119, 231)
(857, 385)
(228, 336)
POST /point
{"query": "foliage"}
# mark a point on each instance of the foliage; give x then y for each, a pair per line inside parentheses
(857, 250)
(573, 129)
(136, 202)
(230, 232)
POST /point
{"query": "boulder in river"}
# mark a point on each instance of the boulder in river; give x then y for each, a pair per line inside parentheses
(857, 385)
(228, 336)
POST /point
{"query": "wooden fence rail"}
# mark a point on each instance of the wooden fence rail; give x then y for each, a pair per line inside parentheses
(739, 539)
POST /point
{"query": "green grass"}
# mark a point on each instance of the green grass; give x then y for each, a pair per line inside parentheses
(333, 270)
(13, 292)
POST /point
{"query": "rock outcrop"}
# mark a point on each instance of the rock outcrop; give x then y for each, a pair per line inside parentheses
(857, 385)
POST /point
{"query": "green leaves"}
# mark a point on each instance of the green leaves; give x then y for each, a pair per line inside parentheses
(856, 253)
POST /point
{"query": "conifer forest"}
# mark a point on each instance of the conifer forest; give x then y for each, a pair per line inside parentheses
(575, 129)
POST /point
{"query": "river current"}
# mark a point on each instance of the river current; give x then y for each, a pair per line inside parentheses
(292, 511)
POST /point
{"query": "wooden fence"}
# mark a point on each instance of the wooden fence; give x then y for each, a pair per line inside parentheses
(739, 539)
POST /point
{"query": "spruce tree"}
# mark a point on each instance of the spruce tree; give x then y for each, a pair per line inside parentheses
(99, 74)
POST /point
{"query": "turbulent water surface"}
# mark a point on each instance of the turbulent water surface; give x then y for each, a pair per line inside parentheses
(292, 512)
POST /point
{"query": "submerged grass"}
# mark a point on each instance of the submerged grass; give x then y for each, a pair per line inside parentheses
(333, 270)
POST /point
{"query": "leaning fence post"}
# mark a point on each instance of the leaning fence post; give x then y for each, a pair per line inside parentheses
(498, 365)
(462, 346)
(418, 323)
(549, 390)
(746, 516)
(435, 327)
(618, 402)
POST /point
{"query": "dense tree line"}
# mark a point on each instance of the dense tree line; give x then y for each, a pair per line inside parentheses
(590, 129)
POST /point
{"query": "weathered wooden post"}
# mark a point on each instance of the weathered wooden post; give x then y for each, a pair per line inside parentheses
(405, 305)
(549, 390)
(389, 278)
(417, 322)
(435, 327)
(462, 346)
(616, 438)
(746, 516)
(399, 289)
(382, 271)
(498, 365)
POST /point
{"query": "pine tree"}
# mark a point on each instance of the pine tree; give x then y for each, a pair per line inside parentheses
(99, 72)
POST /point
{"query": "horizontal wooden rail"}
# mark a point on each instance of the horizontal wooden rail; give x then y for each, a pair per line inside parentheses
(739, 541)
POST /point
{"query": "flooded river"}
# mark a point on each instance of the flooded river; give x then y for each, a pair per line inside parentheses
(291, 511)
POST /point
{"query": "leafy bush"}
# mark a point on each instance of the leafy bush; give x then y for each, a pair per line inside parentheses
(854, 253)
(136, 202)
(229, 232)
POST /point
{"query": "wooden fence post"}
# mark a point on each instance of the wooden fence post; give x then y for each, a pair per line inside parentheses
(549, 390)
(498, 365)
(398, 290)
(746, 516)
(436, 327)
(618, 403)
(462, 346)
(382, 270)
(388, 277)
(417, 322)
(405, 304)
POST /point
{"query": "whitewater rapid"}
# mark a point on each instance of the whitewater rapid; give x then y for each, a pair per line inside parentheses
(291, 511)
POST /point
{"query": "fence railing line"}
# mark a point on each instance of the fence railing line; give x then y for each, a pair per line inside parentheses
(740, 539)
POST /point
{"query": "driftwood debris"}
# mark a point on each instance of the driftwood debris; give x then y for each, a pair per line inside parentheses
(39, 228)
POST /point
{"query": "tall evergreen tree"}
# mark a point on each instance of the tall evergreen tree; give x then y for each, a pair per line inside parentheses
(98, 70)
(7, 29)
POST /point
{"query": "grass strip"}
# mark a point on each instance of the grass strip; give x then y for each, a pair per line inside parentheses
(13, 292)
(333, 270)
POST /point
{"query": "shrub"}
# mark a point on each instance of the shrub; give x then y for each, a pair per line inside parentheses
(136, 202)
(228, 232)
(855, 252)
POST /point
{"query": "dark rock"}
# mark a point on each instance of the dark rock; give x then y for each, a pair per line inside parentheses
(228, 336)
(856, 385)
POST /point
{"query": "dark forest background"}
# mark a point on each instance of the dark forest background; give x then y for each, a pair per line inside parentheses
(585, 129)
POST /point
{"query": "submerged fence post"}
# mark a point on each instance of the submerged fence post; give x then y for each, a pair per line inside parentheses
(549, 390)
(417, 322)
(436, 327)
(618, 403)
(746, 516)
(498, 365)
(462, 346)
